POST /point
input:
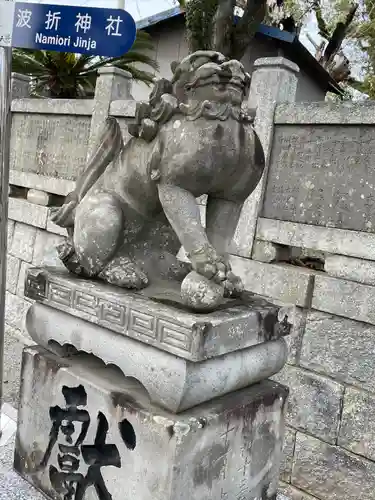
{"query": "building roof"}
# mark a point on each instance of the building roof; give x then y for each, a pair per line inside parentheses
(288, 42)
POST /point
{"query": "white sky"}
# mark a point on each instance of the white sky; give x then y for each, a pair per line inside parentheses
(139, 9)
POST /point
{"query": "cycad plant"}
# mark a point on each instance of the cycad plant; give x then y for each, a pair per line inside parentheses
(69, 76)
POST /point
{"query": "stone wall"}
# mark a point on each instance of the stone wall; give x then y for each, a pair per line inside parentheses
(49, 146)
(314, 248)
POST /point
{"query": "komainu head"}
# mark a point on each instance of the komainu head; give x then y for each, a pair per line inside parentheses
(201, 81)
(208, 75)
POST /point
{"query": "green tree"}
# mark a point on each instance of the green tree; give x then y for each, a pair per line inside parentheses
(69, 76)
(210, 24)
(363, 38)
(346, 30)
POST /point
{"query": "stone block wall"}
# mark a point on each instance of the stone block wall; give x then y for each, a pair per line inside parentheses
(329, 451)
(313, 249)
(50, 142)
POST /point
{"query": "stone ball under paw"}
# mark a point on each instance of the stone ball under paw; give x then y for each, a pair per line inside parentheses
(201, 294)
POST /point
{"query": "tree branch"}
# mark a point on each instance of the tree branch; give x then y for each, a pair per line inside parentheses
(338, 36)
(223, 27)
(254, 14)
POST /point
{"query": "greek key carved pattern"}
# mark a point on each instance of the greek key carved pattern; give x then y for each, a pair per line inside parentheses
(113, 314)
(143, 324)
(60, 294)
(137, 324)
(174, 335)
(85, 302)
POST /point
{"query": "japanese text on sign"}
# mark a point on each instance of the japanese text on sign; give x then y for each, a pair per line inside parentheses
(63, 28)
(83, 24)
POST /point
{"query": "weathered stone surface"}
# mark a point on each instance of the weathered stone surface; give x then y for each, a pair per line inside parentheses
(359, 270)
(23, 241)
(115, 219)
(45, 252)
(326, 239)
(274, 79)
(311, 178)
(50, 106)
(113, 84)
(288, 453)
(148, 317)
(20, 85)
(13, 269)
(22, 277)
(356, 301)
(171, 381)
(340, 347)
(15, 311)
(297, 318)
(292, 493)
(316, 113)
(52, 144)
(41, 182)
(229, 447)
(123, 108)
(314, 403)
(283, 282)
(14, 343)
(22, 211)
(38, 197)
(11, 225)
(357, 431)
(265, 251)
(55, 229)
(201, 294)
(330, 473)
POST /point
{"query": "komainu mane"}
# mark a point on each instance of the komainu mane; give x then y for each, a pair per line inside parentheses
(135, 204)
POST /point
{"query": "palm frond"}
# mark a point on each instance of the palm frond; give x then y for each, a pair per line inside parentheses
(139, 75)
(63, 74)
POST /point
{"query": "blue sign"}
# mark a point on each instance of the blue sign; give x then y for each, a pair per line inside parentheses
(81, 30)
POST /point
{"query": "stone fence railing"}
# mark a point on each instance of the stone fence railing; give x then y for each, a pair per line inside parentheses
(305, 238)
(49, 145)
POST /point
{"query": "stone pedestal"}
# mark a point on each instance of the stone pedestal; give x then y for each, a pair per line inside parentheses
(228, 448)
(183, 411)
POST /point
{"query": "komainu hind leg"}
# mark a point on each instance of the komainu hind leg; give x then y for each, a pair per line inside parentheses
(97, 239)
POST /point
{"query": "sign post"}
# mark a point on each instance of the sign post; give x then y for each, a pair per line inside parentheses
(5, 124)
(60, 28)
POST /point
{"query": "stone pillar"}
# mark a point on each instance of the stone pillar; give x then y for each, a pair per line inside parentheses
(20, 86)
(274, 80)
(187, 413)
(112, 84)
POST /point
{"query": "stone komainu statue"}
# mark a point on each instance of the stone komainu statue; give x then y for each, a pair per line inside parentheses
(135, 204)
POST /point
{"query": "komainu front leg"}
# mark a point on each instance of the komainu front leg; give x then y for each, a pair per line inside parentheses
(182, 211)
(202, 290)
(221, 221)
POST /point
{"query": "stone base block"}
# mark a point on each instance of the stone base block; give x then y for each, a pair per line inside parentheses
(84, 431)
(154, 316)
(172, 382)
